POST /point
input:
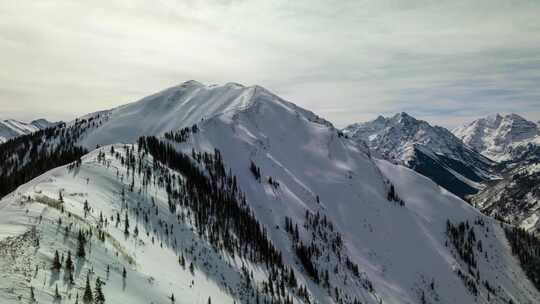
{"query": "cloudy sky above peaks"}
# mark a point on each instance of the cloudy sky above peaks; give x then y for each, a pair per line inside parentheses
(447, 62)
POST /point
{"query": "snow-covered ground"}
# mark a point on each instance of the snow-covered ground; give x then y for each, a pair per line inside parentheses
(403, 251)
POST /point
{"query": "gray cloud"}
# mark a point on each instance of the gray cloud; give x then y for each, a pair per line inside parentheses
(444, 61)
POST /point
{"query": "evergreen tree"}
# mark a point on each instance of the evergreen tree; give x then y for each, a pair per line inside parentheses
(32, 295)
(191, 268)
(56, 294)
(56, 266)
(99, 297)
(88, 296)
(81, 241)
(126, 224)
(69, 263)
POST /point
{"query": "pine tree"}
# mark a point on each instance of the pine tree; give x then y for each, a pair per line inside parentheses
(182, 261)
(32, 295)
(88, 296)
(69, 263)
(56, 294)
(56, 262)
(126, 224)
(99, 297)
(81, 242)
(191, 268)
(69, 268)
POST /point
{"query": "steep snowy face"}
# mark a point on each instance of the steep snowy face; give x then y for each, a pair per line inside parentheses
(498, 135)
(431, 150)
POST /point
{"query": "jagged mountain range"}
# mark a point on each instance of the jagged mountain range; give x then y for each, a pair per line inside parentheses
(490, 161)
(227, 194)
(430, 150)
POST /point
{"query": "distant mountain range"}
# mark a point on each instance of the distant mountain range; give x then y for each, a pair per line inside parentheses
(430, 150)
(494, 162)
(11, 128)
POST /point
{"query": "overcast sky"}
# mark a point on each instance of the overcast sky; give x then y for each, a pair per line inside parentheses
(444, 61)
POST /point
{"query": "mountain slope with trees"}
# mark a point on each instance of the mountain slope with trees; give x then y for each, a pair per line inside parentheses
(235, 207)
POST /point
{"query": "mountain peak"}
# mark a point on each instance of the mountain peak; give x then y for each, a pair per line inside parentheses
(191, 83)
(187, 104)
(495, 135)
(403, 117)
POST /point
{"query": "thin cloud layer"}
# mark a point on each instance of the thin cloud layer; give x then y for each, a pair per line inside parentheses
(445, 61)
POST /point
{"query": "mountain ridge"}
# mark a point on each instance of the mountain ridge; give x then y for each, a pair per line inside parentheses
(10, 128)
(497, 136)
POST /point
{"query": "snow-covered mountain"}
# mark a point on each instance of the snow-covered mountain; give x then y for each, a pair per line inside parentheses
(10, 128)
(499, 137)
(430, 150)
(516, 197)
(515, 143)
(243, 197)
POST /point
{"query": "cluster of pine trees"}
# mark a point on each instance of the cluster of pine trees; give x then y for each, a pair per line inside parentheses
(393, 197)
(25, 157)
(526, 247)
(181, 135)
(28, 156)
(323, 257)
(66, 263)
(200, 184)
(468, 247)
(256, 171)
(463, 238)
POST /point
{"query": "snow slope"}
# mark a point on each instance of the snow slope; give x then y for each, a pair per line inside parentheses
(10, 128)
(403, 252)
(498, 135)
(430, 150)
